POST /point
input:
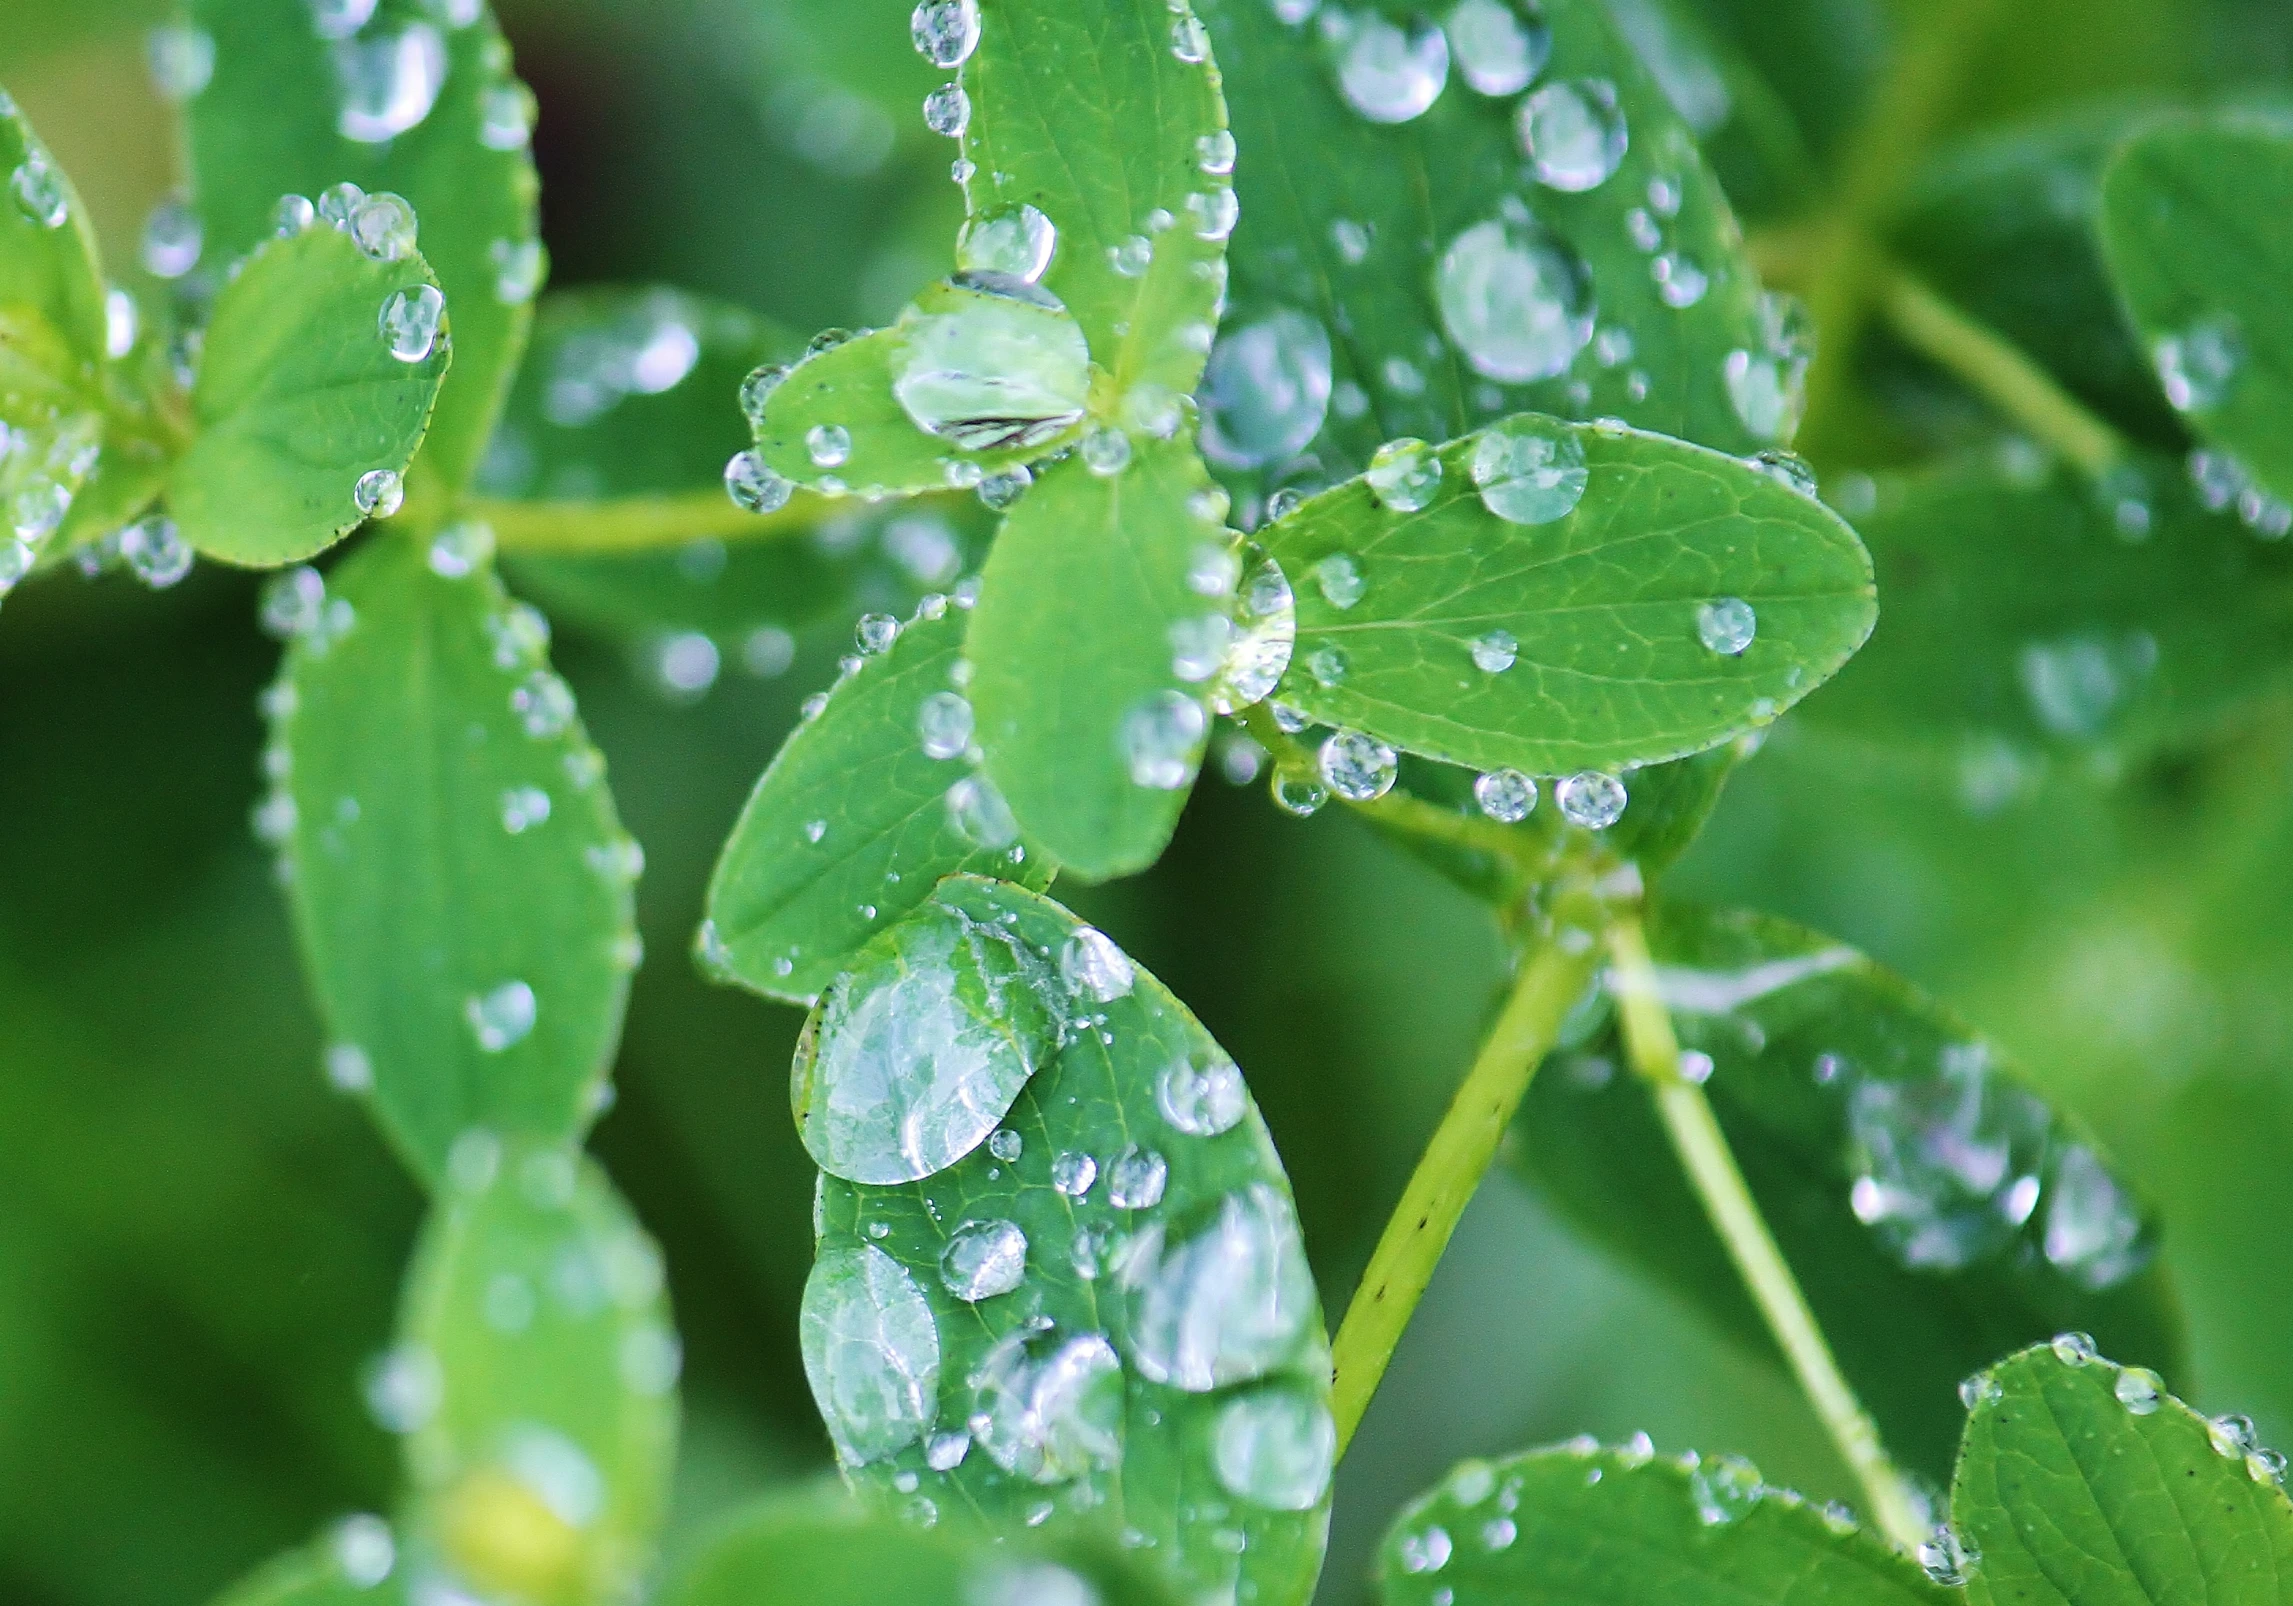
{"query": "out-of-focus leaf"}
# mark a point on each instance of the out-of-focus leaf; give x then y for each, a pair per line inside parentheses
(1748, 135)
(306, 397)
(459, 878)
(48, 263)
(416, 100)
(340, 1570)
(535, 1377)
(1103, 1308)
(1937, 1211)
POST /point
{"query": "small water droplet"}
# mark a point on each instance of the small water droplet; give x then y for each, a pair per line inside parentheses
(1214, 153)
(1107, 452)
(944, 719)
(1202, 1097)
(1339, 579)
(1072, 1173)
(828, 445)
(1947, 1558)
(1506, 796)
(1136, 1178)
(1427, 1551)
(984, 1259)
(1388, 71)
(1726, 626)
(409, 321)
(1725, 1490)
(2139, 1390)
(2231, 1436)
(2199, 366)
(1495, 652)
(1574, 134)
(1590, 800)
(1404, 475)
(172, 239)
(379, 493)
(388, 79)
(755, 488)
(945, 32)
(1358, 767)
(947, 111)
(1094, 967)
(523, 808)
(155, 551)
(1162, 738)
(502, 1018)
(1301, 795)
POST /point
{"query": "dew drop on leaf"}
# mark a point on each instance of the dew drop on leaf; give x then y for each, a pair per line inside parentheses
(1530, 470)
(944, 721)
(1726, 625)
(1389, 72)
(1073, 1172)
(2198, 367)
(871, 1351)
(1574, 134)
(172, 239)
(39, 190)
(947, 111)
(1358, 767)
(1136, 1179)
(1202, 1099)
(1048, 1408)
(1497, 49)
(1162, 740)
(755, 488)
(1094, 967)
(1017, 242)
(945, 32)
(1506, 796)
(1275, 1447)
(1495, 651)
(983, 1259)
(501, 1018)
(1266, 391)
(1725, 1489)
(1590, 800)
(1516, 299)
(1338, 578)
(1404, 475)
(388, 80)
(991, 363)
(379, 493)
(1229, 1303)
(2139, 1390)
(409, 321)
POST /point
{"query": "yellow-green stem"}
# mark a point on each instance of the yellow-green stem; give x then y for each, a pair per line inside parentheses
(636, 524)
(1552, 979)
(1711, 1165)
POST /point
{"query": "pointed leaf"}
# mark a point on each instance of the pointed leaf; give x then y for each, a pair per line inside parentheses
(355, 1565)
(535, 1378)
(415, 103)
(1083, 620)
(1564, 1526)
(867, 806)
(301, 396)
(2081, 1484)
(1579, 641)
(459, 879)
(1101, 1311)
(1938, 1212)
(48, 263)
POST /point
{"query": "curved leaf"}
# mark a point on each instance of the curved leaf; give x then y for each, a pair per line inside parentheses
(866, 807)
(1102, 1313)
(418, 102)
(1088, 725)
(535, 1379)
(300, 397)
(460, 882)
(1580, 642)
(338, 1571)
(48, 261)
(1578, 1523)
(1938, 1212)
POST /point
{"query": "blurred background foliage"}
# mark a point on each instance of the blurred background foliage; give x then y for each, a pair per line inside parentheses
(200, 1244)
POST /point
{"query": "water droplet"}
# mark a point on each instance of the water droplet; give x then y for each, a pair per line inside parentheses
(2078, 685)
(2198, 367)
(389, 81)
(1073, 1173)
(945, 32)
(1725, 1489)
(1426, 1552)
(1202, 1099)
(1358, 768)
(991, 363)
(1403, 475)
(349, 1069)
(1275, 1447)
(945, 721)
(403, 1387)
(460, 550)
(1136, 1178)
(2266, 1466)
(1107, 452)
(1227, 1304)
(1339, 579)
(523, 808)
(182, 61)
(871, 1352)
(755, 488)
(364, 1551)
(172, 239)
(947, 111)
(1327, 664)
(1590, 800)
(980, 815)
(1499, 51)
(544, 705)
(1162, 739)
(2094, 1232)
(1390, 72)
(1266, 391)
(1301, 795)
(1093, 966)
(1946, 1162)
(944, 1452)
(2139, 1390)
(2230, 1436)
(1574, 134)
(1726, 625)
(409, 321)
(1947, 1558)
(1215, 213)
(379, 493)
(998, 493)
(1495, 652)
(983, 1259)
(1214, 153)
(1506, 796)
(1979, 1390)
(828, 445)
(1680, 281)
(155, 552)
(1049, 1409)
(503, 1018)
(1530, 470)
(122, 322)
(1767, 384)
(1017, 242)
(39, 190)
(1264, 636)
(1516, 299)
(757, 389)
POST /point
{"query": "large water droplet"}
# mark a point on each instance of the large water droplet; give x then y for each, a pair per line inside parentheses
(983, 1259)
(1404, 475)
(1726, 625)
(1226, 1305)
(1050, 1409)
(1390, 72)
(945, 32)
(1017, 242)
(389, 81)
(409, 321)
(1073, 1172)
(1516, 299)
(1264, 637)
(1947, 1164)
(753, 487)
(1499, 50)
(378, 494)
(1162, 739)
(1590, 800)
(39, 190)
(1095, 968)
(1275, 1447)
(1358, 768)
(991, 363)
(1725, 1489)
(1574, 134)
(1202, 1096)
(2094, 1232)
(1136, 1179)
(384, 227)
(871, 1352)
(1530, 470)
(1767, 383)
(1266, 392)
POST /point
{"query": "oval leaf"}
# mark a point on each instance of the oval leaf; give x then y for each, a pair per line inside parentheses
(459, 879)
(1938, 1212)
(1608, 633)
(1562, 1526)
(868, 805)
(301, 396)
(1103, 1311)
(535, 1379)
(1086, 618)
(48, 261)
(419, 102)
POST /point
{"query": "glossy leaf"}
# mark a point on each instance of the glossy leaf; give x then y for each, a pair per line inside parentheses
(48, 263)
(1937, 1211)
(1081, 633)
(535, 1379)
(866, 807)
(2083, 1483)
(1577, 643)
(1335, 338)
(459, 879)
(2027, 611)
(338, 1570)
(1108, 121)
(416, 103)
(300, 397)
(1578, 1523)
(1103, 1311)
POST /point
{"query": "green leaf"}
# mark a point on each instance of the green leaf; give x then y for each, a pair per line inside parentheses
(1336, 338)
(1108, 121)
(1849, 1099)
(302, 396)
(1103, 1309)
(459, 879)
(48, 261)
(2186, 222)
(867, 806)
(337, 1571)
(1576, 641)
(1085, 616)
(1577, 1524)
(2083, 1483)
(2022, 617)
(290, 112)
(535, 1380)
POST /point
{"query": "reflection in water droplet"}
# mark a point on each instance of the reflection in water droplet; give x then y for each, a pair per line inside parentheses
(1516, 299)
(1506, 796)
(1275, 1447)
(983, 1259)
(1357, 767)
(991, 363)
(502, 1018)
(1590, 800)
(1162, 738)
(871, 1352)
(1391, 72)
(1226, 1305)
(1136, 1179)
(409, 321)
(1339, 579)
(1574, 134)
(389, 81)
(945, 32)
(1726, 625)
(2094, 1232)
(2139, 1390)
(1049, 1409)
(1017, 242)
(1499, 50)
(1072, 1173)
(1265, 635)
(1946, 1163)
(1725, 1490)
(1530, 470)
(1266, 392)
(1404, 475)
(1202, 1099)
(1496, 652)
(1094, 966)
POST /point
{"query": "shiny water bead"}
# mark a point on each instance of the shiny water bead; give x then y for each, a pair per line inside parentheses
(1136, 1179)
(1018, 242)
(2197, 367)
(2139, 1390)
(384, 227)
(1106, 452)
(1357, 767)
(1301, 795)
(2094, 1232)
(1228, 1303)
(1506, 796)
(876, 632)
(461, 549)
(292, 602)
(2230, 1436)
(1574, 134)
(2074, 1349)
(980, 815)
(1726, 625)
(172, 239)
(155, 552)
(182, 60)
(1328, 665)
(39, 190)
(871, 1352)
(1094, 967)
(379, 493)
(1499, 50)
(1391, 72)
(2266, 1466)
(501, 1018)
(1189, 40)
(1425, 1552)
(1006, 1145)
(947, 111)
(523, 808)
(409, 321)
(1590, 800)
(1260, 646)
(1516, 299)
(828, 445)
(1404, 475)
(1767, 383)
(945, 32)
(1073, 1173)
(544, 705)
(755, 488)
(506, 115)
(1215, 153)
(757, 389)
(388, 80)
(983, 1259)
(292, 215)
(1202, 1099)
(944, 721)
(1495, 652)
(1980, 1389)
(1162, 739)
(1214, 213)
(1530, 470)
(1275, 1447)
(1725, 1489)
(1266, 391)
(1049, 1408)
(1948, 1558)
(1680, 281)
(991, 363)
(1338, 578)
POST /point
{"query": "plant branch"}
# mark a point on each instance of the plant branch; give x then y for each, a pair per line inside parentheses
(1550, 982)
(636, 524)
(1711, 1166)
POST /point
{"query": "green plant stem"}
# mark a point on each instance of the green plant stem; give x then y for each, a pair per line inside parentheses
(636, 524)
(1549, 985)
(1719, 1182)
(1999, 371)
